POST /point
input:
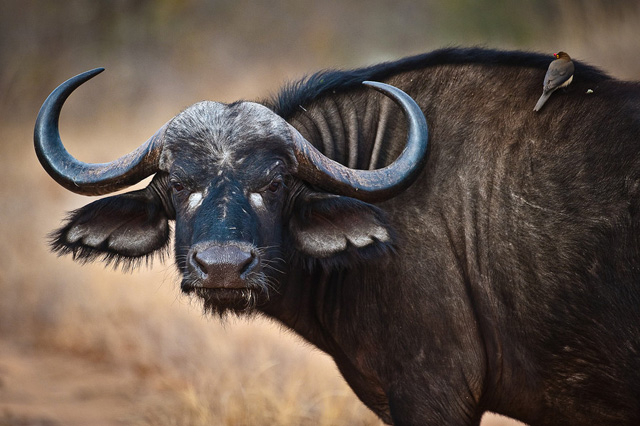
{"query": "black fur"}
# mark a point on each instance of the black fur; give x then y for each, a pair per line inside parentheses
(303, 92)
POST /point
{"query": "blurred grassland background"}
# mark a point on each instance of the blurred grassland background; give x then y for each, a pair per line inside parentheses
(87, 345)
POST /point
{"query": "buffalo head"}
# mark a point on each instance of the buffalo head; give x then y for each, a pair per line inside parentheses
(247, 192)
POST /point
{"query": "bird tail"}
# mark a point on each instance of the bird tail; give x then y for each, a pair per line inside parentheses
(541, 101)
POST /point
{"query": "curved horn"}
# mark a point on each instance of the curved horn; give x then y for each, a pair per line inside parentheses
(86, 178)
(369, 185)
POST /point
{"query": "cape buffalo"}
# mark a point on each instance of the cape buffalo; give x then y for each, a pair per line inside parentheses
(497, 268)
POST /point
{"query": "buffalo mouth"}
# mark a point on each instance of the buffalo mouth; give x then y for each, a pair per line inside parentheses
(222, 300)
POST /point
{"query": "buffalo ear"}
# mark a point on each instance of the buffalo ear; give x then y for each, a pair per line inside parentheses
(334, 229)
(121, 228)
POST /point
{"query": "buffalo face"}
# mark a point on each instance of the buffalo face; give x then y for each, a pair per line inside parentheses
(228, 169)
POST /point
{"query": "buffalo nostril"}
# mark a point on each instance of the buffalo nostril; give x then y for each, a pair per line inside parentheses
(246, 262)
(222, 265)
(198, 263)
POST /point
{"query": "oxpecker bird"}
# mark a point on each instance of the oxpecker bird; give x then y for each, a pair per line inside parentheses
(559, 74)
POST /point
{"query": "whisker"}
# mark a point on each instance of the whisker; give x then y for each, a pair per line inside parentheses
(273, 268)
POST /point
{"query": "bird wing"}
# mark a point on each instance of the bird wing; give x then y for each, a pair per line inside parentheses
(558, 73)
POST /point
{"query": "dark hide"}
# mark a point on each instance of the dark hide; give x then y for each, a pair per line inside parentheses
(506, 278)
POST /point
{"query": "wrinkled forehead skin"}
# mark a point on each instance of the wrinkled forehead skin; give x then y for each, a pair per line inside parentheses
(216, 136)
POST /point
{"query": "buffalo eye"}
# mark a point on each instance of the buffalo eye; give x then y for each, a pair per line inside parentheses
(177, 186)
(275, 185)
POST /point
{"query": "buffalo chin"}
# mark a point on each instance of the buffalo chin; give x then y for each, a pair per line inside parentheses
(223, 300)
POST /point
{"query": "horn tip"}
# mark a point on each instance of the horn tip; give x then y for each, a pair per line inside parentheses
(373, 83)
(376, 84)
(93, 72)
(381, 87)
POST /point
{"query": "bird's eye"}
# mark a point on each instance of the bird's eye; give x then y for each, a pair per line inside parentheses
(177, 186)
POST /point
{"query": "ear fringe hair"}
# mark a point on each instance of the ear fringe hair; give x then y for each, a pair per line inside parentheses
(83, 254)
(352, 258)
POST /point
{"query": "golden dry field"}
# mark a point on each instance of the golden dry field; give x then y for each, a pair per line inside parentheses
(85, 345)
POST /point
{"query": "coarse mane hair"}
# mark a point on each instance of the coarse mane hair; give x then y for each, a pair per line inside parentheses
(305, 91)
